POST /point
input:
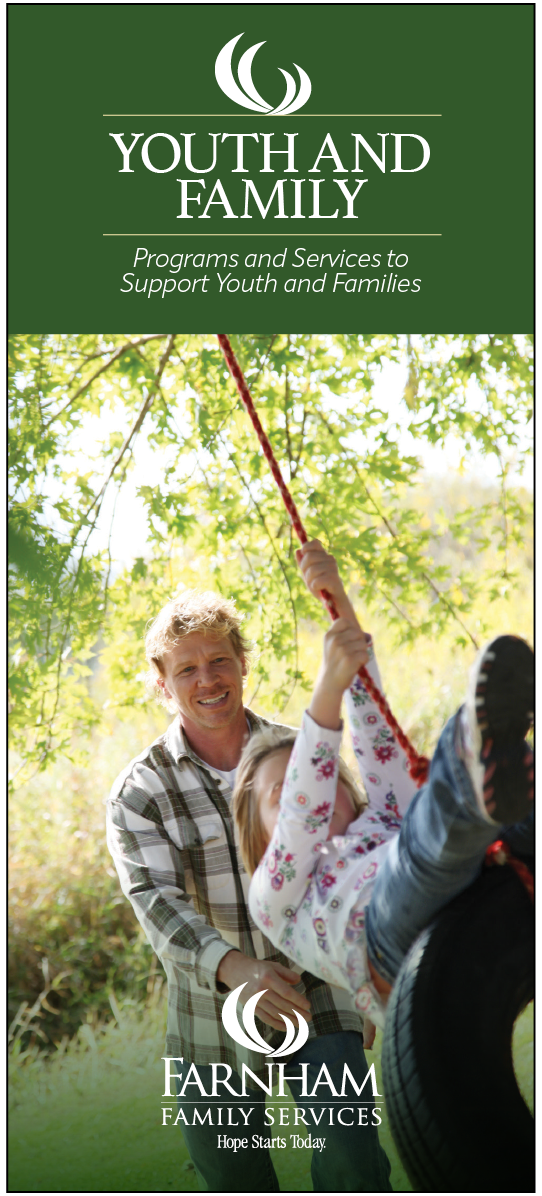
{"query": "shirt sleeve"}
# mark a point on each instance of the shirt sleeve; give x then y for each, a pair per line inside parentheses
(151, 875)
(306, 808)
(382, 762)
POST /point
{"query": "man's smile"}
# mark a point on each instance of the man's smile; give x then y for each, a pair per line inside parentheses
(213, 701)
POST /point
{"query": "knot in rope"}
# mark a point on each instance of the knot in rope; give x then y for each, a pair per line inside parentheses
(418, 765)
(500, 853)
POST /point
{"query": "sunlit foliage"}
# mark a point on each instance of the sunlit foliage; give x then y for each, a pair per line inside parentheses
(217, 503)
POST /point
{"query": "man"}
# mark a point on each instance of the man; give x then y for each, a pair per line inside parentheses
(172, 837)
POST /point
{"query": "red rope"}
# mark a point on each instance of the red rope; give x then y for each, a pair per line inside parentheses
(418, 765)
(499, 853)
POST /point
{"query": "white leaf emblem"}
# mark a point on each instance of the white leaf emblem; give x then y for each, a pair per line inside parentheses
(246, 95)
(253, 1039)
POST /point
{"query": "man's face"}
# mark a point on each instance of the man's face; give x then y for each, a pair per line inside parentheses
(204, 677)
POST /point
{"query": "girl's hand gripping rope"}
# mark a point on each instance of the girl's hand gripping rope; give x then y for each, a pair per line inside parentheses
(320, 572)
(345, 651)
(345, 647)
(321, 577)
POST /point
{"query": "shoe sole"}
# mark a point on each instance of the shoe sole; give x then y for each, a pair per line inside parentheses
(504, 699)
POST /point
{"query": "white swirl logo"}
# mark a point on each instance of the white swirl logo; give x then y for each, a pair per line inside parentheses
(253, 1040)
(246, 94)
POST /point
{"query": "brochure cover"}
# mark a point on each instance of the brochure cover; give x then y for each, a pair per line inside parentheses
(238, 962)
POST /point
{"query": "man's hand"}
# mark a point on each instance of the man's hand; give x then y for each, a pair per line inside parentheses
(235, 969)
(320, 572)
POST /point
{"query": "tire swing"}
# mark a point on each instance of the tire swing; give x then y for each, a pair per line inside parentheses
(455, 1111)
(458, 1126)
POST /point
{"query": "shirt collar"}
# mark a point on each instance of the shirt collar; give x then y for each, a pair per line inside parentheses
(177, 742)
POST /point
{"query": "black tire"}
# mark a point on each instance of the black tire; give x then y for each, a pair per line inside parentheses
(458, 1119)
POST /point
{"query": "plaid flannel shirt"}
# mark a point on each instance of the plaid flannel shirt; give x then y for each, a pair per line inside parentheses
(172, 836)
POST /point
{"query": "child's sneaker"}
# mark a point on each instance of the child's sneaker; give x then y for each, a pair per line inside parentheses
(493, 724)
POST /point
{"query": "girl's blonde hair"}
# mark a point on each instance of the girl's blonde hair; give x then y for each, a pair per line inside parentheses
(246, 807)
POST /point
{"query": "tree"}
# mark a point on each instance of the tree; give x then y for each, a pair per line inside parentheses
(217, 498)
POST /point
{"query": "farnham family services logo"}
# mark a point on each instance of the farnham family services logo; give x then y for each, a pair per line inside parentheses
(253, 1040)
(246, 95)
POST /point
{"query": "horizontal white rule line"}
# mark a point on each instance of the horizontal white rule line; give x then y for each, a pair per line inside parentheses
(298, 235)
(234, 115)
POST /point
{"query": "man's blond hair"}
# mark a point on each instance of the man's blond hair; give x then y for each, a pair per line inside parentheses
(246, 806)
(194, 610)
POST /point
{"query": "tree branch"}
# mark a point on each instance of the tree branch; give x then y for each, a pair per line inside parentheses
(97, 504)
(429, 581)
(115, 357)
(281, 565)
(136, 426)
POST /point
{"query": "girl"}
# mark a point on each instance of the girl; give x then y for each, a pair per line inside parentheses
(345, 893)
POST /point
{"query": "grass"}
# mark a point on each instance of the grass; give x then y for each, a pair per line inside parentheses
(89, 1119)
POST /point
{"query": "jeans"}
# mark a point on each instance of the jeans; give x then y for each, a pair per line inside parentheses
(438, 852)
(352, 1160)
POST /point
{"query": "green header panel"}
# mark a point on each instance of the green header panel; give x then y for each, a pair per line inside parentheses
(322, 168)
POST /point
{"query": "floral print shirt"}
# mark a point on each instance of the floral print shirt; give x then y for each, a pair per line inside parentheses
(309, 893)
